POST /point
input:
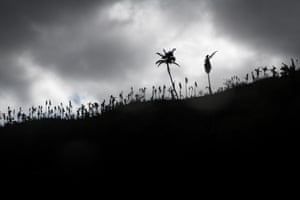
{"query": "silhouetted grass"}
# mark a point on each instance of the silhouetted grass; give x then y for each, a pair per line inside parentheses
(258, 119)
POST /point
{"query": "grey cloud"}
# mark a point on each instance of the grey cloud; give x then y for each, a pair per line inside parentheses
(103, 53)
(17, 17)
(266, 25)
(19, 23)
(62, 37)
(185, 12)
(13, 79)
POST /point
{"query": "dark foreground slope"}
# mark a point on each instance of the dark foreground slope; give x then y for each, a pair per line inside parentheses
(254, 122)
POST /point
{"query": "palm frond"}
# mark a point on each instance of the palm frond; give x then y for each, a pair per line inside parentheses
(176, 64)
(213, 54)
(159, 54)
(159, 62)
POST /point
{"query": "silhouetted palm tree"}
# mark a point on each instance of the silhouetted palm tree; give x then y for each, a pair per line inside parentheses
(168, 58)
(207, 67)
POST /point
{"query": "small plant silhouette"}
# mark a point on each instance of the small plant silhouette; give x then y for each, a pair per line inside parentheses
(288, 70)
(253, 76)
(265, 69)
(207, 67)
(257, 70)
(65, 111)
(195, 88)
(191, 89)
(164, 92)
(180, 90)
(186, 82)
(274, 72)
(246, 78)
(168, 58)
(153, 92)
(159, 92)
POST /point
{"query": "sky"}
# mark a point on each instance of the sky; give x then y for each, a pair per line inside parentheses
(86, 50)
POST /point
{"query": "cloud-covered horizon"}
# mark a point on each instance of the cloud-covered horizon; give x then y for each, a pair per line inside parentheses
(87, 50)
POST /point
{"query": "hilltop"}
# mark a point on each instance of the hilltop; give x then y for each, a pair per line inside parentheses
(256, 120)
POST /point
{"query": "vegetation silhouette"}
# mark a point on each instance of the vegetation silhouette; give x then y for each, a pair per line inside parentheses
(168, 58)
(195, 88)
(207, 67)
(186, 86)
(265, 70)
(240, 118)
(180, 90)
(274, 72)
(65, 112)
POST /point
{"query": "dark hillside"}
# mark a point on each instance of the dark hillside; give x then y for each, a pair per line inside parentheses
(258, 121)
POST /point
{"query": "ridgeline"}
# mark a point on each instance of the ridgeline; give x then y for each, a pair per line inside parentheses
(255, 120)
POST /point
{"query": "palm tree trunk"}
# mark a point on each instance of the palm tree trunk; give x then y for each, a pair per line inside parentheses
(209, 85)
(172, 82)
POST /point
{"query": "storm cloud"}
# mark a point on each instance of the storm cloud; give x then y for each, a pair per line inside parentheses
(270, 25)
(90, 49)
